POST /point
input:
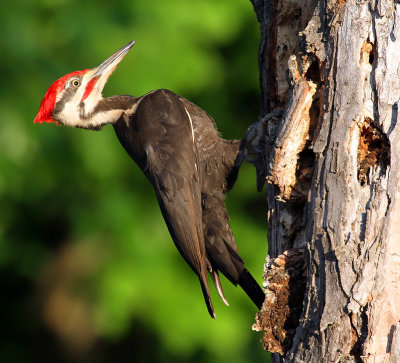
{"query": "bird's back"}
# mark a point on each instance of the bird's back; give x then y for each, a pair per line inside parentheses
(216, 155)
(178, 147)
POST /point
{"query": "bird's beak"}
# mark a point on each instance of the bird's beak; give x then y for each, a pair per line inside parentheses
(105, 69)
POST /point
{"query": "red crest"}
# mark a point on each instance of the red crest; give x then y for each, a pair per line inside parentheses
(49, 99)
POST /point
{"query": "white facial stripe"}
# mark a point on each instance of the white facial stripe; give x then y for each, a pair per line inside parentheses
(81, 114)
(91, 101)
(71, 117)
(102, 118)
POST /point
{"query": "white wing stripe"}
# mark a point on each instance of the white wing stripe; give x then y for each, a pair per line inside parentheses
(191, 126)
(191, 123)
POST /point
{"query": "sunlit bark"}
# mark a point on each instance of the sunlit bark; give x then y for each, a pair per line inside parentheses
(332, 171)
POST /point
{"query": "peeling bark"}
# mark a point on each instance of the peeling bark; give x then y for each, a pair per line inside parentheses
(291, 141)
(284, 286)
(332, 171)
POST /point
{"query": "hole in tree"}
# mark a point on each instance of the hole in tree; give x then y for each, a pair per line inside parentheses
(373, 150)
(367, 53)
(371, 58)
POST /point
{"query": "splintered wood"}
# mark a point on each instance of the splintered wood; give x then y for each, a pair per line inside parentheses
(367, 53)
(292, 139)
(373, 149)
(285, 278)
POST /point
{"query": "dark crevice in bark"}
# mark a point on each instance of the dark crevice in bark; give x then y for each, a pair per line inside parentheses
(373, 150)
(313, 72)
(356, 350)
(367, 52)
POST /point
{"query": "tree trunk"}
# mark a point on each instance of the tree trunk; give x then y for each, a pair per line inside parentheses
(331, 163)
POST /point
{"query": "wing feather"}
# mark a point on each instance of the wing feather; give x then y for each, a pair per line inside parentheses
(171, 165)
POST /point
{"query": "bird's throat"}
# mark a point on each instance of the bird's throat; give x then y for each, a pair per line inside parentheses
(107, 111)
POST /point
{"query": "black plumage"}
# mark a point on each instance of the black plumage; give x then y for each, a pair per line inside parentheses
(177, 146)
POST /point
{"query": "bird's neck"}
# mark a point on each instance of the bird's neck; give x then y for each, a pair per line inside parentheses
(120, 103)
(109, 110)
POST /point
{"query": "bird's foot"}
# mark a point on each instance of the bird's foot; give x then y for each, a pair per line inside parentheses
(257, 133)
(255, 143)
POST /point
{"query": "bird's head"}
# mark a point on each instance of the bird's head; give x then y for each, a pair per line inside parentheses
(75, 99)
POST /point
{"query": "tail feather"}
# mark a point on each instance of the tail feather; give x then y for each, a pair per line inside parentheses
(218, 286)
(207, 297)
(251, 288)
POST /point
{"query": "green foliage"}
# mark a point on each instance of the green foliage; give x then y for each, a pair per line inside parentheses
(85, 257)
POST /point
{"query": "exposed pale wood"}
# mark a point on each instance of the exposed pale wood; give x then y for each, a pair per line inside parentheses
(291, 140)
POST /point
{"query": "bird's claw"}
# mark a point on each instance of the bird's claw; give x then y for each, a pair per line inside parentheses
(256, 135)
(255, 143)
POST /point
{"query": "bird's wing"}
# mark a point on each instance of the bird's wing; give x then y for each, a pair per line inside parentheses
(172, 167)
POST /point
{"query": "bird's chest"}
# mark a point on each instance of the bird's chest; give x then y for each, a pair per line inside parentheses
(132, 139)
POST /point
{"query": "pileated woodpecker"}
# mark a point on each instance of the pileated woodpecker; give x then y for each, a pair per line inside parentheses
(177, 146)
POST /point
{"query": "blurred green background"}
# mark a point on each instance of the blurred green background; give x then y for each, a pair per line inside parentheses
(88, 271)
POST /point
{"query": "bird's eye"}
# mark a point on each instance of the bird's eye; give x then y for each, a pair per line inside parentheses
(76, 83)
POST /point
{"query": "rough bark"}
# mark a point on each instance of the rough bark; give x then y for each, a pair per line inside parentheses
(332, 170)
